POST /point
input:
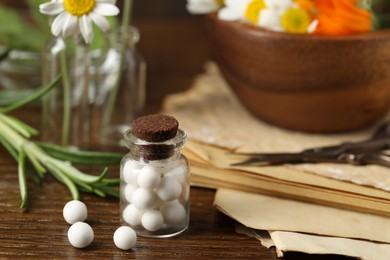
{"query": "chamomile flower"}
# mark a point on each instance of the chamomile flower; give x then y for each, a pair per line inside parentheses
(295, 20)
(253, 10)
(280, 5)
(204, 6)
(234, 10)
(77, 16)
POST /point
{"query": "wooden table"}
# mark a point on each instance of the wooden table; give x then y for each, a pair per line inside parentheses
(41, 232)
(175, 51)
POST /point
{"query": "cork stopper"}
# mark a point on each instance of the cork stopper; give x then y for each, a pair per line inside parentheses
(155, 127)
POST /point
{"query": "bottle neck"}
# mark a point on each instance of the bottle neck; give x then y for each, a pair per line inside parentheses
(154, 151)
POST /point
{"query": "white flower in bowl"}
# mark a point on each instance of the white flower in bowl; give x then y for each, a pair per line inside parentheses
(203, 6)
(234, 10)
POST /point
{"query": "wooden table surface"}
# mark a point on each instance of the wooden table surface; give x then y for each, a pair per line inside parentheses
(175, 50)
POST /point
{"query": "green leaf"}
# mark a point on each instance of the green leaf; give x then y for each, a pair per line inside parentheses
(9, 148)
(38, 94)
(81, 157)
(57, 173)
(35, 162)
(22, 179)
(19, 126)
(77, 175)
(107, 190)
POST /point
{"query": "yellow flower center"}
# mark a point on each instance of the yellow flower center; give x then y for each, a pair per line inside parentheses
(79, 7)
(253, 10)
(295, 20)
(220, 2)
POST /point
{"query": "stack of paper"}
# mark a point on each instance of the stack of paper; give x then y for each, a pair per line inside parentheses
(218, 126)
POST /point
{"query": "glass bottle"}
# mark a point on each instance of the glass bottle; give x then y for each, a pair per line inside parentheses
(155, 186)
(120, 87)
(66, 109)
(101, 92)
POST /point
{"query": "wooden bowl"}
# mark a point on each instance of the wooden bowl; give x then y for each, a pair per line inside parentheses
(304, 82)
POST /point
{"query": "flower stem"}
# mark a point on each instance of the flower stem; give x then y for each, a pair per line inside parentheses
(124, 33)
(67, 99)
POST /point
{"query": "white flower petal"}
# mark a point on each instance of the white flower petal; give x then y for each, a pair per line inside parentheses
(58, 23)
(52, 8)
(228, 14)
(100, 21)
(202, 6)
(106, 9)
(269, 19)
(69, 26)
(85, 24)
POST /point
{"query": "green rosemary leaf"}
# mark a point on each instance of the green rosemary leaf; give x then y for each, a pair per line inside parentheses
(99, 193)
(109, 182)
(108, 190)
(37, 165)
(19, 126)
(22, 179)
(9, 148)
(34, 175)
(81, 157)
(77, 175)
(38, 94)
(85, 186)
(65, 180)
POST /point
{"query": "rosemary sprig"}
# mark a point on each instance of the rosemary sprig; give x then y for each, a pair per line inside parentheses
(43, 158)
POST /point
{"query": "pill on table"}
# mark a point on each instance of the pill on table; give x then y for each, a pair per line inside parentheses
(80, 234)
(74, 211)
(125, 238)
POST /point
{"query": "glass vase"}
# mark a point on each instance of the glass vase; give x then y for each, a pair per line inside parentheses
(101, 92)
(120, 87)
(66, 109)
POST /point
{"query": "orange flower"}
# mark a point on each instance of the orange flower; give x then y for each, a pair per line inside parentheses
(341, 17)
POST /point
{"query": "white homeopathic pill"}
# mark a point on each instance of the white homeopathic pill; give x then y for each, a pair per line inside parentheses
(132, 215)
(169, 189)
(149, 177)
(80, 234)
(144, 199)
(152, 220)
(173, 213)
(129, 190)
(75, 211)
(179, 173)
(125, 238)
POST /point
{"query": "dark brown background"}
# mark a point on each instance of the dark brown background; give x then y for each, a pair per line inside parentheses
(174, 47)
